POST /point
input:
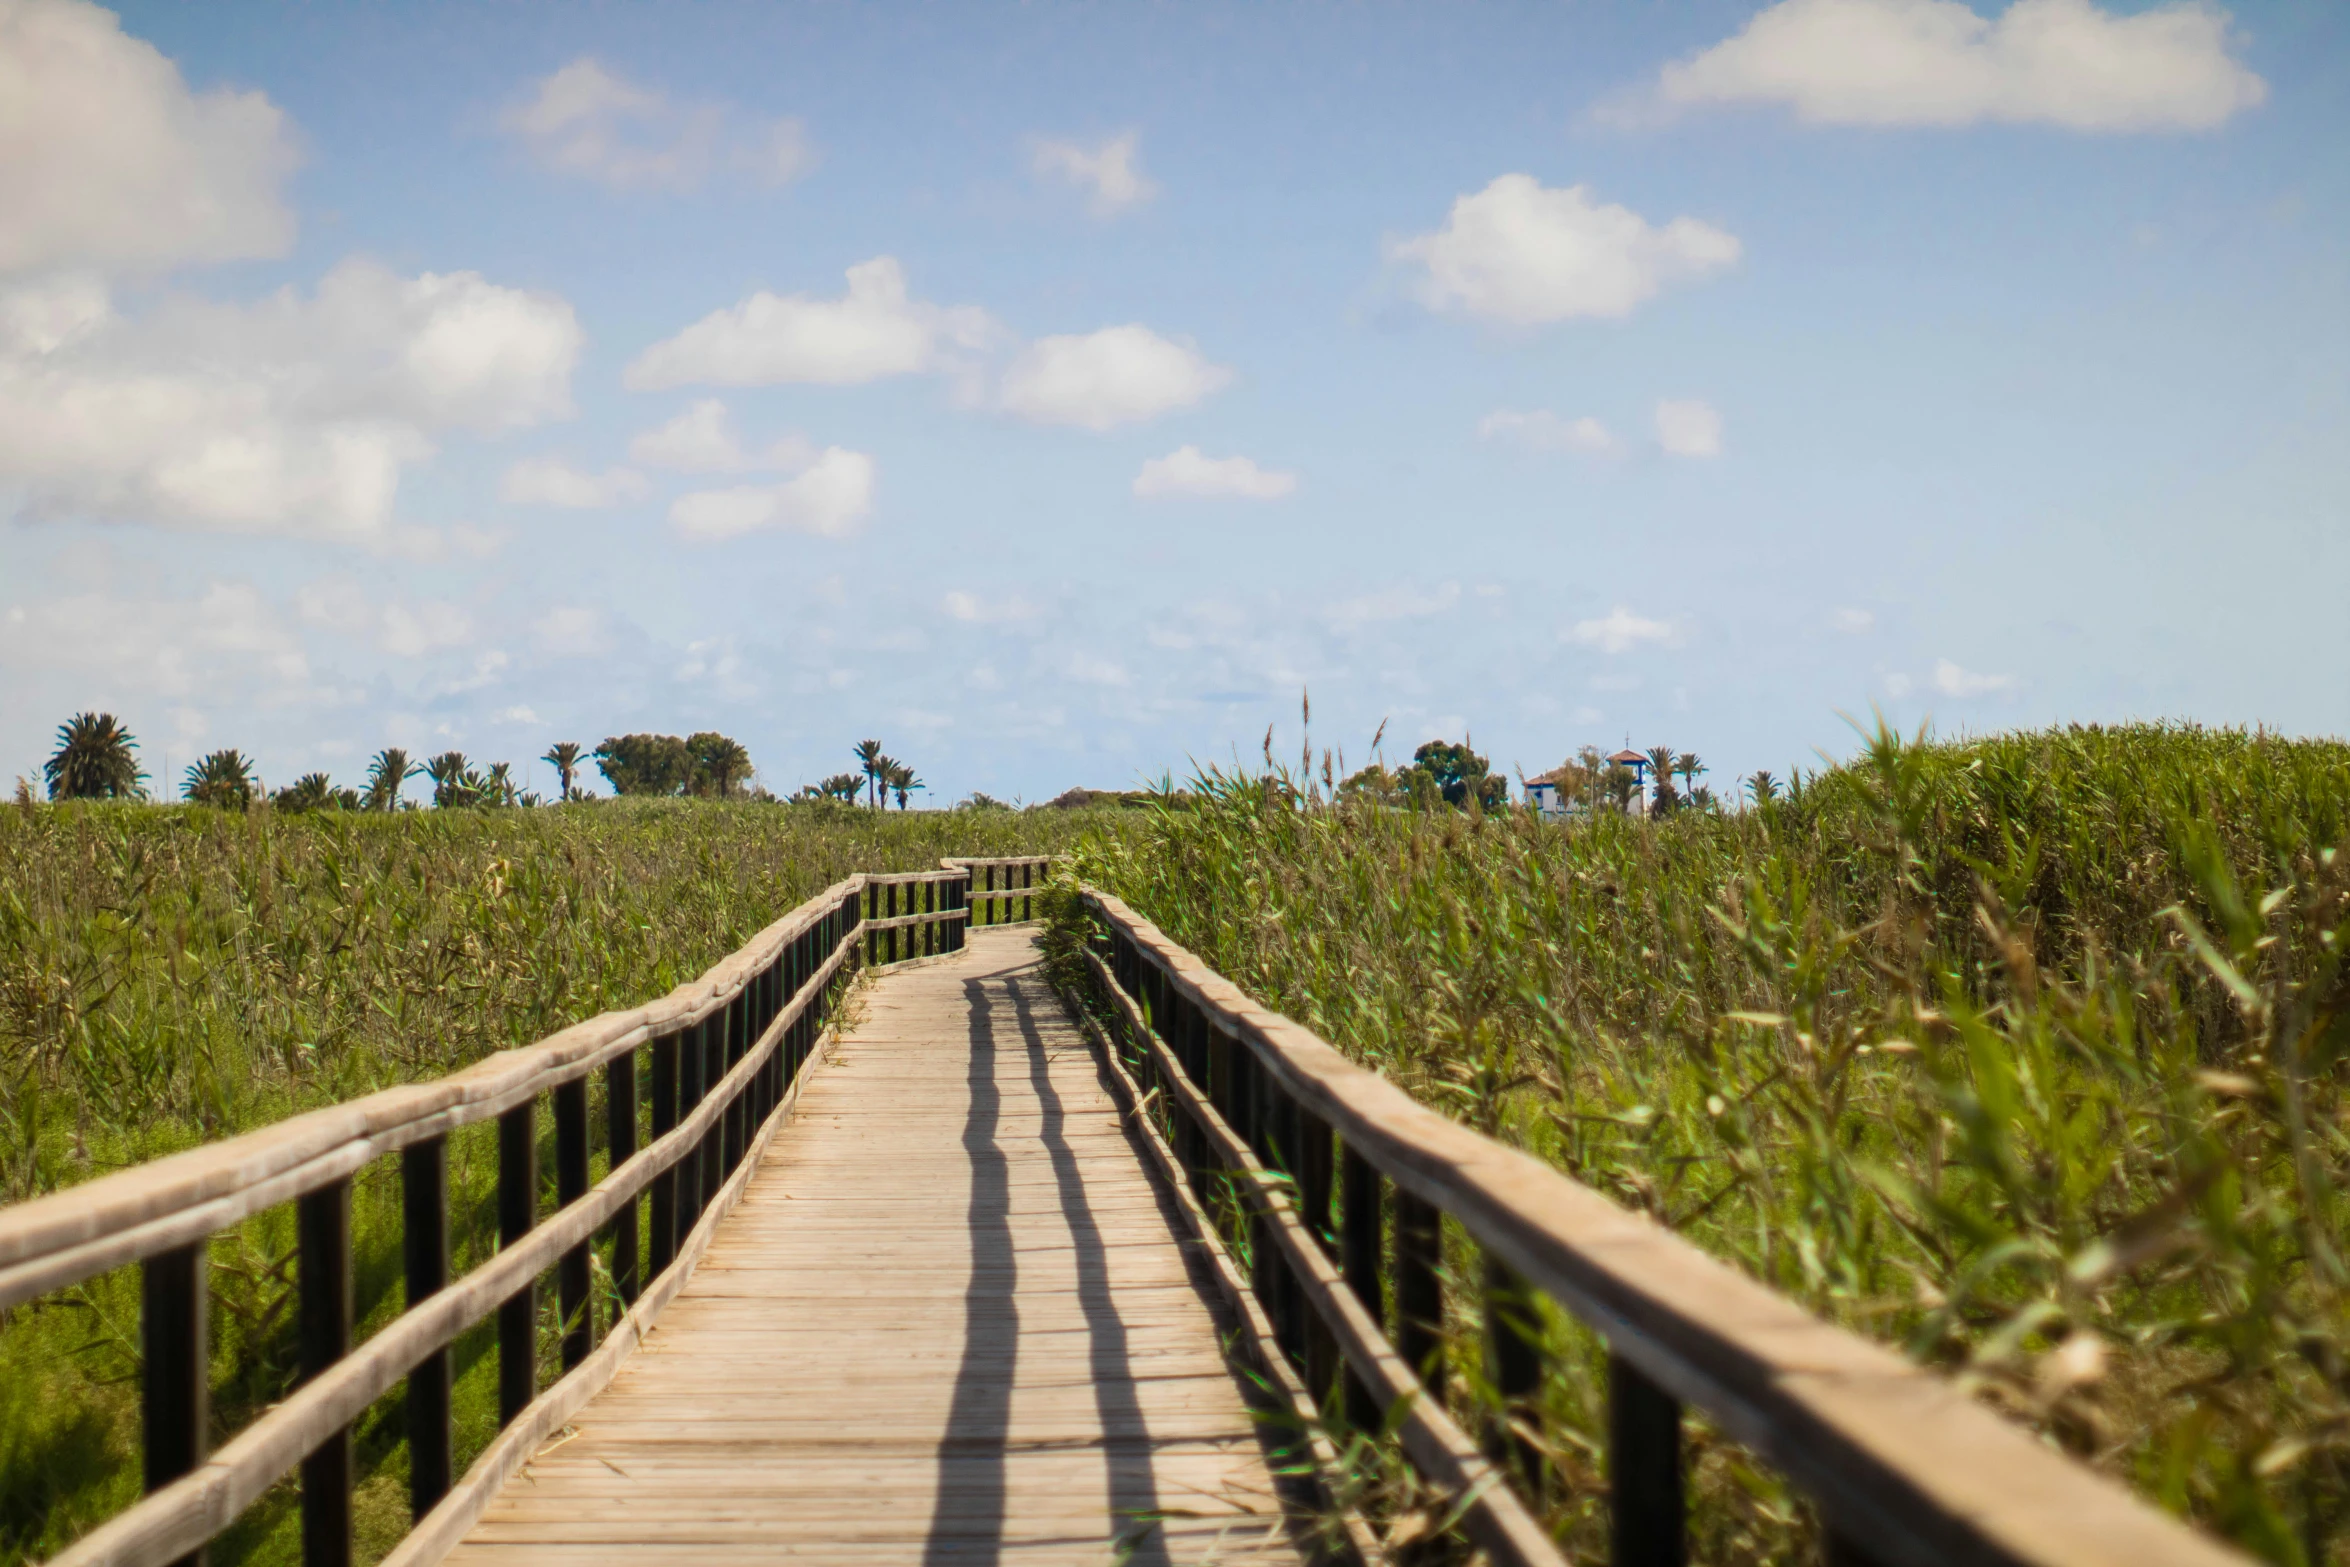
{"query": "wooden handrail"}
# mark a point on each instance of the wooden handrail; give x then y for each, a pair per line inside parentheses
(1903, 1467)
(726, 1053)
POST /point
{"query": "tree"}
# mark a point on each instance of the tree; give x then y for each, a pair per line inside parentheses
(1660, 765)
(869, 758)
(563, 756)
(385, 775)
(1454, 773)
(310, 792)
(844, 787)
(1622, 784)
(1688, 766)
(454, 782)
(1762, 787)
(223, 779)
(94, 761)
(645, 764)
(720, 765)
(901, 781)
(499, 787)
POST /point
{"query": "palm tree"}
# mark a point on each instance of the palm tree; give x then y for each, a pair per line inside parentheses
(844, 787)
(722, 763)
(564, 756)
(1688, 766)
(390, 769)
(901, 780)
(93, 760)
(499, 787)
(224, 779)
(1763, 787)
(451, 782)
(1660, 762)
(869, 756)
(310, 792)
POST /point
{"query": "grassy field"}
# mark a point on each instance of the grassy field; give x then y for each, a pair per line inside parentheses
(2023, 1053)
(170, 975)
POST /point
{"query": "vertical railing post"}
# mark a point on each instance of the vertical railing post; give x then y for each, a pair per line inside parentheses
(714, 1034)
(620, 1147)
(1028, 879)
(663, 1240)
(1362, 1245)
(1645, 1500)
(1419, 1294)
(991, 905)
(734, 1124)
(518, 1195)
(571, 1184)
(424, 1257)
(1513, 1366)
(322, 1225)
(175, 1387)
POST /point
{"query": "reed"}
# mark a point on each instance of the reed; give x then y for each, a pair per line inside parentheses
(2023, 1053)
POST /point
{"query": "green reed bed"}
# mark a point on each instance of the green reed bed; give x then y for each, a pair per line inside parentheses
(2023, 1053)
(172, 975)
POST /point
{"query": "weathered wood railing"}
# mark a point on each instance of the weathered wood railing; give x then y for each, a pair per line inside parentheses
(1347, 1182)
(720, 1059)
(1021, 878)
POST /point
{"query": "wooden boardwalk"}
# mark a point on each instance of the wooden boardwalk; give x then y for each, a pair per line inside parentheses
(952, 1320)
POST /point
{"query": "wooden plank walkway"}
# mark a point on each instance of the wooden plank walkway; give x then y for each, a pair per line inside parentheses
(953, 1319)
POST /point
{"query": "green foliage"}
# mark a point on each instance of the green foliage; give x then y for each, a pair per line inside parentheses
(93, 760)
(564, 757)
(721, 767)
(1454, 774)
(2024, 1054)
(644, 764)
(315, 792)
(385, 775)
(171, 975)
(223, 780)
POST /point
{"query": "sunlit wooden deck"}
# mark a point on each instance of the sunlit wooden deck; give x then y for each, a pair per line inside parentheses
(952, 1320)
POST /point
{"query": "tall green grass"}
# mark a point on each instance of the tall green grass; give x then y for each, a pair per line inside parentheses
(2024, 1054)
(173, 975)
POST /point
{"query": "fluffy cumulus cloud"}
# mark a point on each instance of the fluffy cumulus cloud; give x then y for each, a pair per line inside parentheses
(873, 331)
(702, 439)
(295, 414)
(1099, 380)
(108, 160)
(550, 481)
(117, 648)
(1620, 631)
(1524, 254)
(1108, 173)
(831, 499)
(1543, 431)
(1939, 62)
(1688, 427)
(585, 121)
(1187, 471)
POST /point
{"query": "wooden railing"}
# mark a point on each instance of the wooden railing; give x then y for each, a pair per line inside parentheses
(720, 1060)
(1346, 1184)
(1003, 890)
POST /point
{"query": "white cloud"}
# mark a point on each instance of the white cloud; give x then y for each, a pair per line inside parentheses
(228, 643)
(340, 604)
(516, 715)
(831, 499)
(108, 161)
(1403, 603)
(1688, 428)
(585, 121)
(1118, 375)
(1620, 631)
(570, 630)
(873, 331)
(702, 439)
(1937, 62)
(549, 481)
(1543, 431)
(290, 415)
(976, 609)
(1524, 254)
(1185, 471)
(410, 631)
(1951, 680)
(1897, 684)
(1853, 622)
(1108, 171)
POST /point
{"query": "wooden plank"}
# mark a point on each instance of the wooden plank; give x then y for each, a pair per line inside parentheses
(950, 1319)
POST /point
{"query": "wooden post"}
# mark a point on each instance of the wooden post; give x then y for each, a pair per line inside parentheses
(1513, 1365)
(620, 1147)
(664, 1216)
(175, 1388)
(1028, 879)
(424, 1255)
(518, 1192)
(991, 906)
(1419, 1296)
(1645, 1502)
(1362, 1242)
(571, 1184)
(714, 1032)
(734, 1126)
(322, 1225)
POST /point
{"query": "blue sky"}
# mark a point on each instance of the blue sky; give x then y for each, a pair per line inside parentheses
(474, 377)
